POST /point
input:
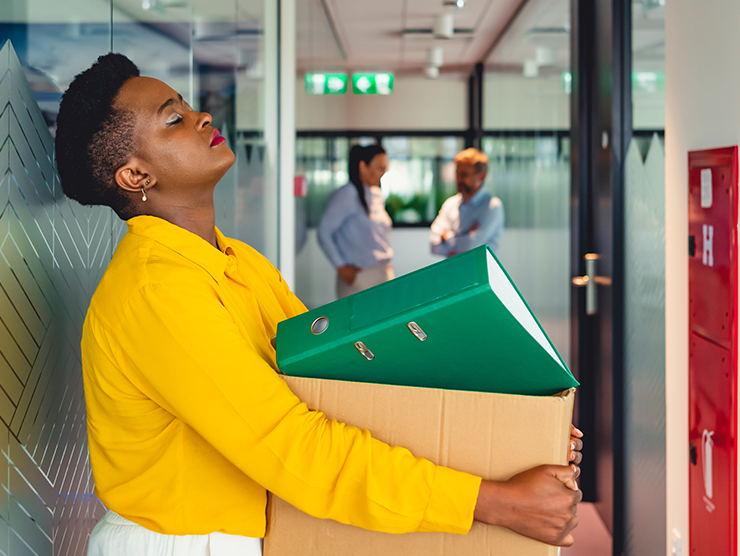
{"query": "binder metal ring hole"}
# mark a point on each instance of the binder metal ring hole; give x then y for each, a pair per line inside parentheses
(417, 331)
(366, 353)
(319, 325)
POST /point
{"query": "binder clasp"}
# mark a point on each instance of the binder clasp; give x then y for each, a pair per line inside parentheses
(417, 331)
(366, 353)
(319, 325)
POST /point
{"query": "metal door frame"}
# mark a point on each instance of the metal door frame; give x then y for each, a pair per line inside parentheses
(601, 130)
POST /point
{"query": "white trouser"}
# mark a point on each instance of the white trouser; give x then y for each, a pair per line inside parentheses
(117, 536)
(366, 278)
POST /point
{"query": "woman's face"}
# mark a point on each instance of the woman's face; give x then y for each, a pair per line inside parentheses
(370, 174)
(178, 148)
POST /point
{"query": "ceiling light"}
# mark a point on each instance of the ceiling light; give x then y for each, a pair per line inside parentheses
(531, 69)
(160, 5)
(435, 56)
(431, 72)
(546, 56)
(444, 25)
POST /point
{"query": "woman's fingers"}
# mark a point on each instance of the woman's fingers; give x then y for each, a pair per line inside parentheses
(576, 445)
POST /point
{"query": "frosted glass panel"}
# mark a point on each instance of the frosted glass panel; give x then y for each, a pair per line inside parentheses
(531, 176)
(526, 121)
(648, 65)
(215, 55)
(52, 255)
(644, 350)
(54, 251)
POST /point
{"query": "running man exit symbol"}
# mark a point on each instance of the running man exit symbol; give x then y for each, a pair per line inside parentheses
(708, 256)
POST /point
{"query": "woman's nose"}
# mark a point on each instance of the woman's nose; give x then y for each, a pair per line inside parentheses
(204, 119)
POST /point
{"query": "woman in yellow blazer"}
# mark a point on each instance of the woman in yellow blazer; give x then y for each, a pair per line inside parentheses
(188, 423)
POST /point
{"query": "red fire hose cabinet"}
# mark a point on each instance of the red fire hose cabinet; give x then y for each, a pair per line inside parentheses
(713, 351)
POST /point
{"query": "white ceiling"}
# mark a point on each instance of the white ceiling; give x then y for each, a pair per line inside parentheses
(541, 23)
(372, 33)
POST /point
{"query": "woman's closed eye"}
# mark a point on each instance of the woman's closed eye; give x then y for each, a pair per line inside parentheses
(174, 119)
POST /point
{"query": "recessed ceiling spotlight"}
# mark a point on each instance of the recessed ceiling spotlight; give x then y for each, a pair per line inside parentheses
(459, 4)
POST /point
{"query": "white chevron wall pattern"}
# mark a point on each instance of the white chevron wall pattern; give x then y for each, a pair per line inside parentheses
(53, 252)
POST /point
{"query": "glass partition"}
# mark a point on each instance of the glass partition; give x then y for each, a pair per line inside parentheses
(644, 311)
(214, 55)
(54, 251)
(526, 116)
(420, 176)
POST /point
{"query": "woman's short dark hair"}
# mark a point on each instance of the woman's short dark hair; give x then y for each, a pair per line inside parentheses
(359, 154)
(93, 138)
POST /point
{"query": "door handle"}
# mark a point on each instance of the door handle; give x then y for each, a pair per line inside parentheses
(589, 281)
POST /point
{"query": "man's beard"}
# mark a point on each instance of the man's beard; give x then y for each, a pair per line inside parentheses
(464, 188)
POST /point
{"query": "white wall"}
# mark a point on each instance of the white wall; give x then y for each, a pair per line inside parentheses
(415, 103)
(702, 111)
(648, 110)
(512, 101)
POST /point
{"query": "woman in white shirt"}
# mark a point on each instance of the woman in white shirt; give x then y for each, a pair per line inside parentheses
(355, 226)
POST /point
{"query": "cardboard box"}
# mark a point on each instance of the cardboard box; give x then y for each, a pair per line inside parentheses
(494, 436)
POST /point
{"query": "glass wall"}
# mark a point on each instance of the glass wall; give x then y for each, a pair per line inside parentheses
(421, 175)
(54, 251)
(211, 53)
(644, 349)
(526, 117)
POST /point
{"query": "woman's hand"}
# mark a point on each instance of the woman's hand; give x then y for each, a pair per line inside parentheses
(540, 503)
(348, 273)
(576, 445)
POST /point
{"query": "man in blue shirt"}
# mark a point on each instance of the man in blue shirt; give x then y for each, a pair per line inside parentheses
(472, 217)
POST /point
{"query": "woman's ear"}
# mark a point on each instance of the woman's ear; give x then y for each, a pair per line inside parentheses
(133, 177)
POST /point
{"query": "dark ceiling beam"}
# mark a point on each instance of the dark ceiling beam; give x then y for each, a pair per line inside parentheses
(333, 27)
(499, 37)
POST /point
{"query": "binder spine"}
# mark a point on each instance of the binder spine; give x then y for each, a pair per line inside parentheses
(400, 320)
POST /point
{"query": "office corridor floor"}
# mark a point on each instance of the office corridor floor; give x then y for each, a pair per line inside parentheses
(592, 538)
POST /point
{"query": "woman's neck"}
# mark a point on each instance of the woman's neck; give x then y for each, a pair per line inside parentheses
(202, 224)
(200, 220)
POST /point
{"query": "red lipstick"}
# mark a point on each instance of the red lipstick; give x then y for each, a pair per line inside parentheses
(217, 138)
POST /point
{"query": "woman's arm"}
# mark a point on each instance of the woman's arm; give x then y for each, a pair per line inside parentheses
(539, 503)
(340, 207)
(183, 350)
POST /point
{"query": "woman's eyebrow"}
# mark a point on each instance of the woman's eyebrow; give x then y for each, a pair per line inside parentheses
(168, 102)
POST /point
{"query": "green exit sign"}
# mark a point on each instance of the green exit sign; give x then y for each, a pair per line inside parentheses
(372, 83)
(326, 83)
